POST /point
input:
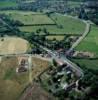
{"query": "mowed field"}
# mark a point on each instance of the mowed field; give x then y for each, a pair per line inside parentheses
(12, 84)
(13, 45)
(65, 25)
(90, 43)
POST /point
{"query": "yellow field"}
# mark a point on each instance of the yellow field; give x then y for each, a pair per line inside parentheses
(13, 45)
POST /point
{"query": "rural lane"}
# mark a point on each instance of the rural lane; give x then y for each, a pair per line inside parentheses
(87, 29)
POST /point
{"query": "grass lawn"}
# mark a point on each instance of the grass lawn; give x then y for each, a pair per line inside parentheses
(4, 4)
(69, 26)
(92, 64)
(11, 45)
(90, 43)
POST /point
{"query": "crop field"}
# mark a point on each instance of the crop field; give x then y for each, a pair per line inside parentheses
(12, 84)
(88, 63)
(13, 45)
(90, 43)
(4, 4)
(65, 25)
(29, 18)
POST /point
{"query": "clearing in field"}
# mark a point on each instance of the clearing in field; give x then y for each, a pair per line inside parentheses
(13, 45)
(64, 25)
(90, 43)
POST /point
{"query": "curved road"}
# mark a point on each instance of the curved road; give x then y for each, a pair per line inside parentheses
(87, 29)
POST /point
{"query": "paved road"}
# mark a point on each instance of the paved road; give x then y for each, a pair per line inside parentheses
(87, 29)
(84, 34)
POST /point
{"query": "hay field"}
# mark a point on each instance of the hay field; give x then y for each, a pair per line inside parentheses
(13, 45)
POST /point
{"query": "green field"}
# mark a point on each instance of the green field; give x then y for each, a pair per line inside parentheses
(90, 43)
(64, 24)
(68, 26)
(4, 4)
(28, 18)
(91, 64)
